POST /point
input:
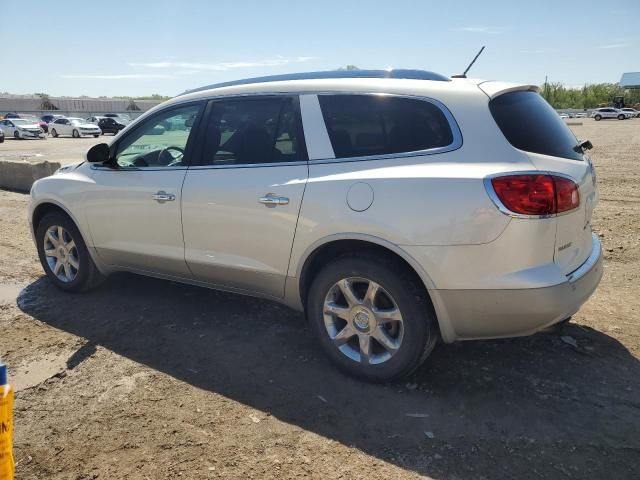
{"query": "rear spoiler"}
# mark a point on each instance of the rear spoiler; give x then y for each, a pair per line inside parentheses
(492, 88)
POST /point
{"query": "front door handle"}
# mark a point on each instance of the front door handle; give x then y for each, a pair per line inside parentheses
(163, 197)
(270, 200)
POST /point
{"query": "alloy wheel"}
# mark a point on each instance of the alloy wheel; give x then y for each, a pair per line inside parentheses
(363, 320)
(61, 253)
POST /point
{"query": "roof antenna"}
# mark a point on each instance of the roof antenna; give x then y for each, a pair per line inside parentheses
(464, 75)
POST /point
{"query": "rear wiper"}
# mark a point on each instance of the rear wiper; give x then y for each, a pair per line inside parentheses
(582, 145)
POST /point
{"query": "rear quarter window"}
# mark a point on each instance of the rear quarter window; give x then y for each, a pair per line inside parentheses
(529, 123)
(370, 125)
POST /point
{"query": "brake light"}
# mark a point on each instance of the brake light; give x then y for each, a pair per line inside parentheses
(567, 195)
(536, 194)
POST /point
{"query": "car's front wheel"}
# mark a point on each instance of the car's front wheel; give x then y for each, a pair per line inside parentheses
(64, 255)
(16, 134)
(598, 118)
(621, 117)
(371, 316)
(75, 134)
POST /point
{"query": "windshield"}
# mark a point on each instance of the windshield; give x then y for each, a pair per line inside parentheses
(21, 121)
(76, 121)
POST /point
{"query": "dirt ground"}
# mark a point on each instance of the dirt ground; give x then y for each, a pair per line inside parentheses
(61, 149)
(145, 379)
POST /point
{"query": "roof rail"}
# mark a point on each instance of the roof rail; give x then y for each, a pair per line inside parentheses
(398, 73)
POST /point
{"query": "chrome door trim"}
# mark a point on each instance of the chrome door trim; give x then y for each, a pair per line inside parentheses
(163, 197)
(248, 165)
(135, 169)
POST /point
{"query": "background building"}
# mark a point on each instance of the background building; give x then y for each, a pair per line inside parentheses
(78, 107)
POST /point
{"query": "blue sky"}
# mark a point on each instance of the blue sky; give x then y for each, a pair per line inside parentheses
(140, 47)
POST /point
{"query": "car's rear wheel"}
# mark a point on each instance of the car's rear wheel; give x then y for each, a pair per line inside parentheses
(54, 133)
(371, 317)
(598, 118)
(96, 136)
(64, 255)
(75, 134)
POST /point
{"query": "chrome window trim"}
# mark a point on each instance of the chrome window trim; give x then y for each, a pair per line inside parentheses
(488, 186)
(453, 125)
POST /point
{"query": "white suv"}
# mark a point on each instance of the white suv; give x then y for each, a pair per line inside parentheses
(395, 208)
(609, 112)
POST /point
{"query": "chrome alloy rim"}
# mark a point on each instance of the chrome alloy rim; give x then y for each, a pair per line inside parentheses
(363, 320)
(61, 253)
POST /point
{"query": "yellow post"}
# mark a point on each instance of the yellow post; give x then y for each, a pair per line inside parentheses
(6, 426)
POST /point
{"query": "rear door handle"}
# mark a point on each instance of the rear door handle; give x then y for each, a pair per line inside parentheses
(271, 200)
(163, 197)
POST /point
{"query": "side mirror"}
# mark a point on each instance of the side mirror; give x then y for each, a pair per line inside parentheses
(98, 153)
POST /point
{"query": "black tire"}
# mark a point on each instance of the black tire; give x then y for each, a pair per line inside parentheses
(1, 138)
(54, 133)
(75, 134)
(621, 117)
(96, 136)
(598, 118)
(420, 325)
(16, 135)
(87, 275)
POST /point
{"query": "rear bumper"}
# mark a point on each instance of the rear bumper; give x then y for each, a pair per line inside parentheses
(479, 314)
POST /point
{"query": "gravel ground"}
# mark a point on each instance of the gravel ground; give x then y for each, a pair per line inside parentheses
(145, 379)
(61, 149)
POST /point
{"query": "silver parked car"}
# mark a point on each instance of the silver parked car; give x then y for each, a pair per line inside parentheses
(632, 112)
(608, 112)
(396, 208)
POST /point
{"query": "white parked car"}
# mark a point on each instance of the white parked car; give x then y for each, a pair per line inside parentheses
(21, 128)
(581, 115)
(395, 207)
(632, 112)
(76, 127)
(608, 112)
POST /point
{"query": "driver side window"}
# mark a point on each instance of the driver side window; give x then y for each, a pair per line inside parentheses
(159, 141)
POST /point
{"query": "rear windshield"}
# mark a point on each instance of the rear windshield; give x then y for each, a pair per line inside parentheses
(529, 123)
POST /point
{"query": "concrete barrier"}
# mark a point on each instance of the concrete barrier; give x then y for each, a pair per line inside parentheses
(20, 174)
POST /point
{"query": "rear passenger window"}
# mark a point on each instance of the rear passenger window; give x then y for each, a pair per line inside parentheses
(366, 125)
(253, 131)
(529, 123)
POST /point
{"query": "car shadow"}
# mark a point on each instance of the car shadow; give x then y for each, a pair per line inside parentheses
(542, 406)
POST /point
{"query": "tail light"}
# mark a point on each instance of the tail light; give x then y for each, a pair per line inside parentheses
(536, 194)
